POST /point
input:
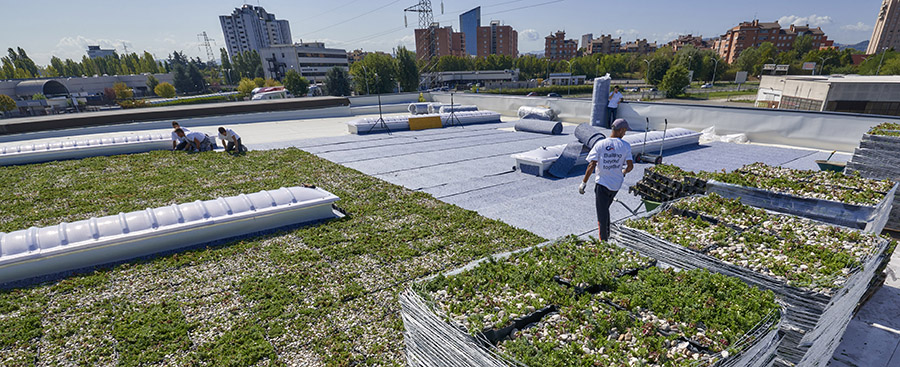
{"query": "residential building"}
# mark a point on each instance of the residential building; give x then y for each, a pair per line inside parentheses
(607, 45)
(886, 34)
(755, 33)
(640, 46)
(312, 60)
(557, 47)
(251, 28)
(97, 52)
(865, 94)
(469, 22)
(359, 54)
(444, 40)
(683, 40)
(497, 39)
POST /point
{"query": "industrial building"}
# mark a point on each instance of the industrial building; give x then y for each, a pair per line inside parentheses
(557, 47)
(251, 28)
(469, 22)
(311, 59)
(755, 33)
(886, 34)
(878, 95)
(483, 77)
(96, 52)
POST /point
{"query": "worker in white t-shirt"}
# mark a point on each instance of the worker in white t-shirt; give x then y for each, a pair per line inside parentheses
(231, 141)
(196, 141)
(178, 143)
(608, 156)
(614, 98)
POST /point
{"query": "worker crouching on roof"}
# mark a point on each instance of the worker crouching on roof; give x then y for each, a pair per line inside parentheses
(231, 141)
(612, 154)
(179, 143)
(196, 141)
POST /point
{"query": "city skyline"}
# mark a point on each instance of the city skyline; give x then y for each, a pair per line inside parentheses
(167, 26)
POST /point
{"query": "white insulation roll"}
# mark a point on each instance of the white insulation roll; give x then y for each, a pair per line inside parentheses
(37, 252)
(399, 123)
(458, 108)
(420, 108)
(536, 113)
(77, 149)
(435, 107)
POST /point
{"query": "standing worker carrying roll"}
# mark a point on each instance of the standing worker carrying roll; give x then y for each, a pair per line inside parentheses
(612, 154)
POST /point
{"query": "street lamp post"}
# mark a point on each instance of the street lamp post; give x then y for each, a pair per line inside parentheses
(883, 51)
(822, 66)
(367, 79)
(569, 83)
(646, 73)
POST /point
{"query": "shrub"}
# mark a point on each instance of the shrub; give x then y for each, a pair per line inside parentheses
(164, 90)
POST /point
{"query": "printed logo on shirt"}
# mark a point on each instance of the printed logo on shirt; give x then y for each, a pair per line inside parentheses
(610, 147)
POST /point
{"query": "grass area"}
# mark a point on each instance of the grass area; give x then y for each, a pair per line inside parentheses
(316, 295)
(712, 95)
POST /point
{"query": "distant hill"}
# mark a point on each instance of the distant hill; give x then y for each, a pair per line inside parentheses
(862, 46)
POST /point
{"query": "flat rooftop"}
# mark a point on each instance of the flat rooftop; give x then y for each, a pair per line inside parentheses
(471, 167)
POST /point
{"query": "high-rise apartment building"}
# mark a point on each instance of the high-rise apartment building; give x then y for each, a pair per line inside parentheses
(468, 25)
(886, 34)
(444, 40)
(755, 33)
(497, 39)
(251, 28)
(557, 47)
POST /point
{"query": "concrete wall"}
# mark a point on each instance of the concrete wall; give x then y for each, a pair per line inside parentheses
(394, 98)
(816, 130)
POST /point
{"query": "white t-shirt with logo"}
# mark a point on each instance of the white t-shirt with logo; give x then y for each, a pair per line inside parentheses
(616, 97)
(610, 155)
(230, 136)
(177, 138)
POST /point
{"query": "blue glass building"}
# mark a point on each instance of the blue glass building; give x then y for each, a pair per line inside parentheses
(468, 25)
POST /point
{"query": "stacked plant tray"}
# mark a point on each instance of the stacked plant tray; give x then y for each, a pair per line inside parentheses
(878, 157)
(579, 302)
(820, 271)
(844, 199)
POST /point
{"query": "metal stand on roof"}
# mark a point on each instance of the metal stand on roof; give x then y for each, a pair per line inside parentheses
(380, 121)
(452, 119)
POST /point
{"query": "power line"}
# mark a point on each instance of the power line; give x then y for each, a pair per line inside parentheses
(524, 7)
(354, 18)
(333, 9)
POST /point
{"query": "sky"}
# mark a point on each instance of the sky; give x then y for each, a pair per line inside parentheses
(65, 28)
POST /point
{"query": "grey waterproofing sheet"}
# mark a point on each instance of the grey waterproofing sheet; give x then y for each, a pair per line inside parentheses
(587, 137)
(539, 126)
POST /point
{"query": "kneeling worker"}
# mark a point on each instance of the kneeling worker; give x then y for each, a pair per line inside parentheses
(611, 153)
(178, 143)
(231, 141)
(196, 141)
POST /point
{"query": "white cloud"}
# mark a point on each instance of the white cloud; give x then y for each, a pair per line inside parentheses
(813, 20)
(858, 27)
(626, 33)
(529, 35)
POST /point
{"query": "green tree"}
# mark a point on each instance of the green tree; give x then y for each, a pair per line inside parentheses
(227, 68)
(122, 91)
(181, 79)
(164, 90)
(152, 82)
(246, 86)
(296, 84)
(198, 82)
(337, 83)
(675, 81)
(375, 71)
(407, 70)
(749, 61)
(260, 82)
(803, 44)
(271, 83)
(7, 103)
(38, 97)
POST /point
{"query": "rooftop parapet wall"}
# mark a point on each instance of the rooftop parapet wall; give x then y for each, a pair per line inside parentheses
(814, 130)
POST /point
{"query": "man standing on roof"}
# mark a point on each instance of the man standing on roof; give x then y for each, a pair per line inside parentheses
(611, 153)
(231, 141)
(614, 98)
(196, 141)
(179, 143)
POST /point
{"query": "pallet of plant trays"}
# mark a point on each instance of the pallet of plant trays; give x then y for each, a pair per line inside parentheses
(583, 302)
(878, 157)
(819, 271)
(845, 199)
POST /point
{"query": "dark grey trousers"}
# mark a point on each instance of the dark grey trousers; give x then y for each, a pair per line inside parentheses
(604, 199)
(612, 116)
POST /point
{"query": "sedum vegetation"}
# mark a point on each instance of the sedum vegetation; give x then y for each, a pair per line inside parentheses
(316, 295)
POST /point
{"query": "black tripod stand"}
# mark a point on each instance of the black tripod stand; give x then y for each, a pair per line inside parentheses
(453, 119)
(380, 122)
